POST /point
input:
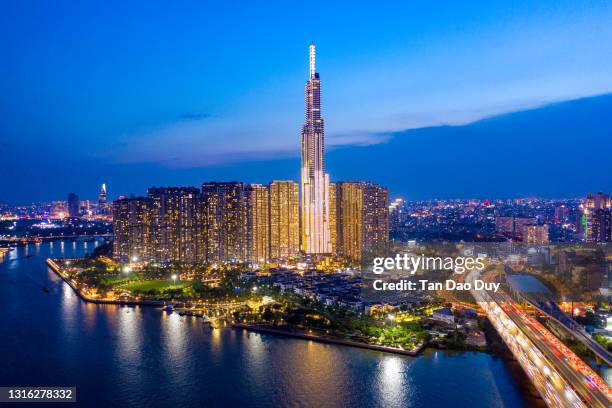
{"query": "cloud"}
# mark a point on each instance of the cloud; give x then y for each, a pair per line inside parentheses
(219, 141)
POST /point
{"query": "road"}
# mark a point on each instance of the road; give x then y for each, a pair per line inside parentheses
(561, 378)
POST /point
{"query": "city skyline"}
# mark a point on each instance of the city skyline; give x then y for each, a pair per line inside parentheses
(171, 124)
(258, 204)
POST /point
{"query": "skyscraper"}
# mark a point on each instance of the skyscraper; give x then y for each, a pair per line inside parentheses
(102, 196)
(258, 226)
(176, 231)
(104, 207)
(284, 219)
(133, 230)
(362, 219)
(315, 182)
(225, 218)
(73, 205)
(597, 218)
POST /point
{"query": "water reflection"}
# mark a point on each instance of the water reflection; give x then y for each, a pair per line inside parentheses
(392, 387)
(129, 344)
(143, 357)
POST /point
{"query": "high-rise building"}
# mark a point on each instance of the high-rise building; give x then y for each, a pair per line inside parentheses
(102, 196)
(333, 216)
(85, 208)
(132, 229)
(397, 214)
(284, 219)
(103, 206)
(257, 223)
(315, 182)
(597, 218)
(225, 218)
(362, 220)
(73, 205)
(177, 235)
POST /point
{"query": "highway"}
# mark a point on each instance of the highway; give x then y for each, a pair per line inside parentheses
(561, 378)
(550, 308)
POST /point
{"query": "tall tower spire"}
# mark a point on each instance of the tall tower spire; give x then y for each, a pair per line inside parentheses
(313, 65)
(315, 182)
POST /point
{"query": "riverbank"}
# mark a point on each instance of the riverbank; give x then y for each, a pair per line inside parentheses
(88, 298)
(329, 340)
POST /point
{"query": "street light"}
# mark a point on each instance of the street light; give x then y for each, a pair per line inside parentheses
(174, 278)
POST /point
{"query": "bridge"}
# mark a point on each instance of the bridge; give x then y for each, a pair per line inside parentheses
(549, 308)
(561, 378)
(32, 240)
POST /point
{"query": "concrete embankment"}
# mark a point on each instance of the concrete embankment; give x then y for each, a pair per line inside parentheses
(328, 340)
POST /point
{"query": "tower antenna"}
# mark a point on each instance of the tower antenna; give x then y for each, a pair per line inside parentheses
(313, 67)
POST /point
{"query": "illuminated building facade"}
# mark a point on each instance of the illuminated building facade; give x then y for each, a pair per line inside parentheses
(102, 196)
(257, 222)
(224, 206)
(59, 209)
(597, 218)
(315, 182)
(362, 219)
(103, 206)
(333, 240)
(176, 231)
(536, 234)
(132, 227)
(284, 219)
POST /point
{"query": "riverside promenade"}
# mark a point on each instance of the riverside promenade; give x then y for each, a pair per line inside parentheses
(329, 340)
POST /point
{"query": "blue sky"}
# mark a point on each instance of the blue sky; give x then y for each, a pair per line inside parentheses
(190, 88)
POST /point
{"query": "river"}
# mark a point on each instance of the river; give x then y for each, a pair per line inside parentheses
(139, 356)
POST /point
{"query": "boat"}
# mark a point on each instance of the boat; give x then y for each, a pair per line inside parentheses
(168, 308)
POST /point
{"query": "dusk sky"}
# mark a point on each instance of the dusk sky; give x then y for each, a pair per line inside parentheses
(135, 94)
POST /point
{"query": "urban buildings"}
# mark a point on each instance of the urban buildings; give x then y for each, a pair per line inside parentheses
(73, 205)
(258, 223)
(315, 182)
(284, 219)
(103, 205)
(224, 217)
(132, 229)
(536, 234)
(58, 210)
(174, 229)
(504, 225)
(237, 222)
(597, 218)
(362, 222)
